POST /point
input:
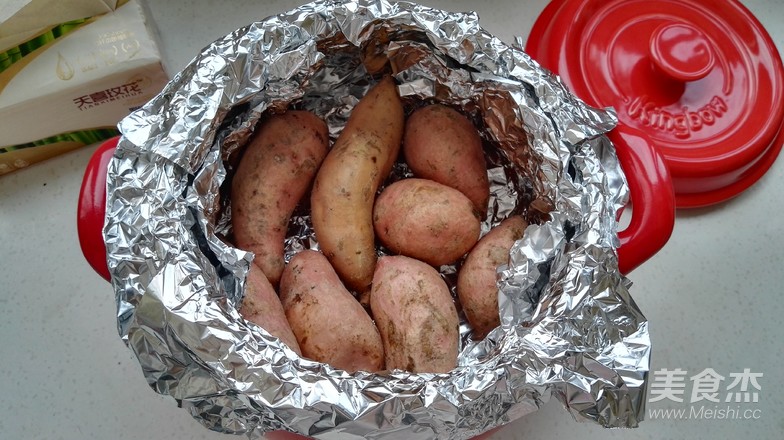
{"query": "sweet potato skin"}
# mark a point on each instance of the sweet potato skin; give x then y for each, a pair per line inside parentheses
(329, 323)
(274, 174)
(476, 279)
(261, 306)
(346, 185)
(441, 144)
(415, 315)
(426, 220)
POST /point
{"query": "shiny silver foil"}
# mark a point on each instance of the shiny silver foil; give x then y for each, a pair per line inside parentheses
(569, 326)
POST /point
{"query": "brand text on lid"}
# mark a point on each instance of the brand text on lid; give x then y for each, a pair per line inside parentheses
(681, 124)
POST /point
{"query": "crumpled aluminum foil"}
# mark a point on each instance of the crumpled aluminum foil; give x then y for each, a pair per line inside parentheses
(569, 327)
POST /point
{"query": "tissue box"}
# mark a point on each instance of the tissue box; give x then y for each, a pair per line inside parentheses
(69, 84)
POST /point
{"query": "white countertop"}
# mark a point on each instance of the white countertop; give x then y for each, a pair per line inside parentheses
(713, 295)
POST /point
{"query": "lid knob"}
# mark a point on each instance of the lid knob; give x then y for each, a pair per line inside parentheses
(681, 51)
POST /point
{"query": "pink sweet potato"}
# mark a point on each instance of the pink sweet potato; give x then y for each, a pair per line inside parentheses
(261, 306)
(275, 172)
(329, 323)
(345, 187)
(476, 279)
(441, 144)
(416, 316)
(426, 220)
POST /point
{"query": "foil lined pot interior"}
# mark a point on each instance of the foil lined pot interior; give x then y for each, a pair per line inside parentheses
(568, 327)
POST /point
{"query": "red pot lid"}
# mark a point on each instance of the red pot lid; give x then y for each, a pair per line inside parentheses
(701, 78)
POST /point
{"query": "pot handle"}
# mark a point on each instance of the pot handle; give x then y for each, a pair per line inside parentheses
(652, 194)
(91, 210)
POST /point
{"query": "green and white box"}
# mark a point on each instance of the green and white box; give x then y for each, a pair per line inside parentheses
(69, 84)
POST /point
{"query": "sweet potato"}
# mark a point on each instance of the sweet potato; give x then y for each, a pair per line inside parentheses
(346, 185)
(329, 323)
(416, 316)
(275, 172)
(441, 144)
(476, 279)
(261, 306)
(426, 220)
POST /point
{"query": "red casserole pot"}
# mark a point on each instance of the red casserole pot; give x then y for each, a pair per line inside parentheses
(650, 226)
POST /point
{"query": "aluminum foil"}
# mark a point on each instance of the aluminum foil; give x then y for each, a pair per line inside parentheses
(569, 327)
